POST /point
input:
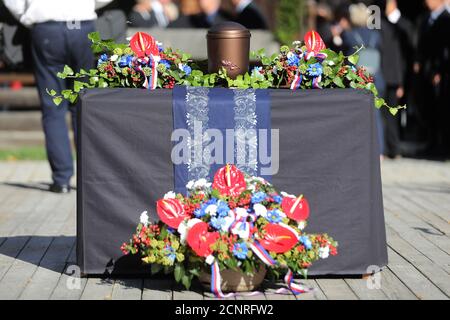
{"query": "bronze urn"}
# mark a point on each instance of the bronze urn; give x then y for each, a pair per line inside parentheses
(228, 47)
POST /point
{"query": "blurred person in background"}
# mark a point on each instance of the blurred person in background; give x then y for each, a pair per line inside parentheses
(59, 36)
(200, 14)
(355, 33)
(249, 15)
(112, 22)
(393, 66)
(432, 66)
(142, 15)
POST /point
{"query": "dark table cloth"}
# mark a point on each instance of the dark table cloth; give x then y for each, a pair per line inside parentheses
(328, 152)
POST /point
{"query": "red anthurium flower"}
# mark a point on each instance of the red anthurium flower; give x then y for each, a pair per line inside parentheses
(171, 212)
(295, 208)
(143, 45)
(200, 239)
(314, 42)
(278, 238)
(229, 181)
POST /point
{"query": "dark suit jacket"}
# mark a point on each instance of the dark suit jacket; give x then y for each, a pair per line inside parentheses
(138, 21)
(433, 45)
(252, 18)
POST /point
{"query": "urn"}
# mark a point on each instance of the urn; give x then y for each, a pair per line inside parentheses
(228, 47)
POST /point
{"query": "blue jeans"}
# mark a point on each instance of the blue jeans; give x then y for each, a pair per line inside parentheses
(55, 44)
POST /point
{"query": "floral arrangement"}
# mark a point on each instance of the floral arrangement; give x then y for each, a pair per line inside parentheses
(237, 222)
(145, 63)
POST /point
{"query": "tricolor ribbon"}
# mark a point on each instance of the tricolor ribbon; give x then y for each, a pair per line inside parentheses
(297, 81)
(153, 79)
(316, 82)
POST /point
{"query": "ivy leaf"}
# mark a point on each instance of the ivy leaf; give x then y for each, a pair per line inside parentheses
(379, 102)
(51, 92)
(57, 100)
(354, 58)
(393, 111)
(186, 281)
(178, 272)
(94, 36)
(338, 81)
(68, 70)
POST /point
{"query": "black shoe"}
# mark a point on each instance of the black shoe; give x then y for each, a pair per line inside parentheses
(59, 188)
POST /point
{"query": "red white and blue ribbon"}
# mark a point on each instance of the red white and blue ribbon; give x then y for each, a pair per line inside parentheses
(216, 282)
(153, 80)
(295, 287)
(262, 254)
(316, 82)
(297, 81)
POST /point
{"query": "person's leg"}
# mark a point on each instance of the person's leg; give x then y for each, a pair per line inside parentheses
(81, 56)
(49, 57)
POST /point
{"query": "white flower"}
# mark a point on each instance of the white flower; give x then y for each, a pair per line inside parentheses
(184, 227)
(190, 185)
(170, 195)
(144, 218)
(324, 252)
(211, 209)
(242, 229)
(260, 210)
(114, 57)
(209, 259)
(200, 183)
(302, 224)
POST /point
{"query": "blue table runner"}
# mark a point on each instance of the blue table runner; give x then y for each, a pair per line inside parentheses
(241, 117)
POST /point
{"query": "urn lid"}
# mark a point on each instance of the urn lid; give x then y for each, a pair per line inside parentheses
(228, 30)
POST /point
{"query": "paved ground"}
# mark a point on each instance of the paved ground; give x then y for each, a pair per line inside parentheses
(37, 242)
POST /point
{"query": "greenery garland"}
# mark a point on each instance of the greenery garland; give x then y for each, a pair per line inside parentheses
(119, 66)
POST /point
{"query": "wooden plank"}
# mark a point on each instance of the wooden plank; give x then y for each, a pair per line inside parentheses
(316, 294)
(70, 286)
(434, 273)
(127, 289)
(336, 289)
(420, 285)
(22, 269)
(46, 277)
(361, 288)
(157, 289)
(180, 293)
(97, 289)
(9, 250)
(418, 241)
(393, 288)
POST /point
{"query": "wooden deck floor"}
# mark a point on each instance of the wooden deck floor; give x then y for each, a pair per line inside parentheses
(37, 242)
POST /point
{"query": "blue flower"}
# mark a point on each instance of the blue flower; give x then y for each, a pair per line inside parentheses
(277, 199)
(274, 216)
(306, 242)
(240, 250)
(258, 197)
(315, 70)
(125, 61)
(165, 63)
(222, 208)
(217, 222)
(103, 58)
(293, 60)
(169, 252)
(187, 69)
(198, 213)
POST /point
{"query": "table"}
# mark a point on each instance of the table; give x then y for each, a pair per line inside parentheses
(328, 152)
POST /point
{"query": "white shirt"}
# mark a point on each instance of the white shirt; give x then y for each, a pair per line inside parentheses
(29, 12)
(242, 5)
(158, 8)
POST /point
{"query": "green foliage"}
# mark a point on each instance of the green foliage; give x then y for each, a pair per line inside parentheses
(291, 16)
(337, 70)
